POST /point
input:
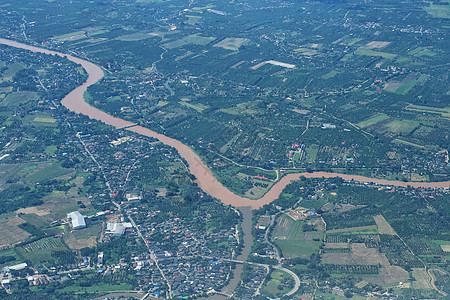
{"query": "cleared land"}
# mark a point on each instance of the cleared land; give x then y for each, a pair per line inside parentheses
(422, 280)
(383, 226)
(81, 238)
(359, 255)
(232, 43)
(377, 44)
(10, 234)
(273, 62)
(389, 275)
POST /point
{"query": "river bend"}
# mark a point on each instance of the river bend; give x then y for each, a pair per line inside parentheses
(75, 102)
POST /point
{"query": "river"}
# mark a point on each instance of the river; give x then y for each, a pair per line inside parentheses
(75, 102)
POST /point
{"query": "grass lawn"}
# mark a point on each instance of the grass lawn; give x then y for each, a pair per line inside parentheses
(353, 41)
(312, 203)
(44, 119)
(138, 36)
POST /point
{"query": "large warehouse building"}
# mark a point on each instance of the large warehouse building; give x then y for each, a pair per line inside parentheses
(77, 220)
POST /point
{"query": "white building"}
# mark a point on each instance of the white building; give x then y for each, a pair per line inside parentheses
(117, 229)
(77, 220)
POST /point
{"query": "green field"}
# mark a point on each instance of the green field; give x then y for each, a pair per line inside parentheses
(197, 107)
(12, 70)
(55, 170)
(18, 98)
(41, 250)
(8, 253)
(70, 34)
(405, 87)
(246, 108)
(403, 127)
(101, 287)
(293, 241)
(190, 39)
(372, 229)
(445, 112)
(399, 141)
(87, 232)
(277, 285)
(311, 153)
(232, 43)
(353, 41)
(44, 119)
(50, 150)
(138, 36)
(367, 52)
(199, 40)
(330, 74)
(438, 11)
(373, 120)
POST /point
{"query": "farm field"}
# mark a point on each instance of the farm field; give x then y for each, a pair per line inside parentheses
(18, 98)
(445, 112)
(367, 52)
(42, 251)
(10, 233)
(232, 43)
(293, 241)
(373, 120)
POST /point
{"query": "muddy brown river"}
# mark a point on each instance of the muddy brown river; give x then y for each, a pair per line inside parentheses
(75, 102)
